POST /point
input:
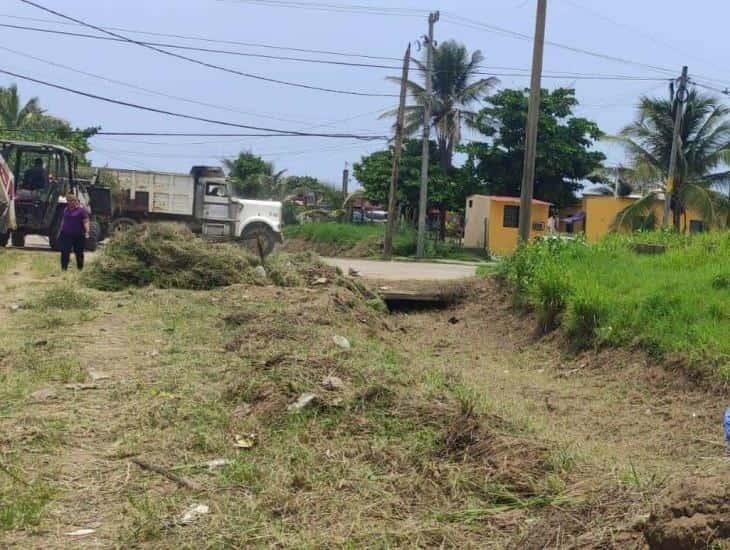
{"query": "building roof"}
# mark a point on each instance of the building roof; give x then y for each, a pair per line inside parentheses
(513, 200)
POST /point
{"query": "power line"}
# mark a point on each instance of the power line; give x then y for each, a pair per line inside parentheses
(149, 91)
(556, 75)
(204, 63)
(336, 8)
(212, 40)
(185, 116)
(197, 49)
(471, 23)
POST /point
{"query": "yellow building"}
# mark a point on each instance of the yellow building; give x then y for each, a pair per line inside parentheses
(601, 212)
(492, 222)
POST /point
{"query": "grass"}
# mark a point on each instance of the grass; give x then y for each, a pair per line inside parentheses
(677, 303)
(366, 240)
(194, 370)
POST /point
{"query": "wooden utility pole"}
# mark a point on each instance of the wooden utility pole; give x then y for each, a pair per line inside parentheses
(345, 181)
(423, 196)
(533, 116)
(397, 147)
(680, 99)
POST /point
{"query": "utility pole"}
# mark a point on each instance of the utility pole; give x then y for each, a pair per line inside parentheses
(345, 180)
(423, 197)
(398, 146)
(680, 99)
(533, 116)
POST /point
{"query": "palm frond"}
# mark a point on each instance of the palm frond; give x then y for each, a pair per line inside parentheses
(637, 215)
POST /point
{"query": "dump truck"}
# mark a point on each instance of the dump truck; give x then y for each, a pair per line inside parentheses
(203, 200)
(37, 177)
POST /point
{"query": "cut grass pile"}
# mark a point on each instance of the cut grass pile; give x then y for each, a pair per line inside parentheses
(171, 256)
(366, 241)
(676, 303)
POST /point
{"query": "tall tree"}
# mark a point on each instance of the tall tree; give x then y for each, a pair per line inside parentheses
(373, 173)
(704, 146)
(457, 86)
(253, 177)
(13, 114)
(564, 155)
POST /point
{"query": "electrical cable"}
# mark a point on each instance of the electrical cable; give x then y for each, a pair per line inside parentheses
(204, 63)
(181, 115)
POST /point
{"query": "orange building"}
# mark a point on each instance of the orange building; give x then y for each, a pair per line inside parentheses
(492, 222)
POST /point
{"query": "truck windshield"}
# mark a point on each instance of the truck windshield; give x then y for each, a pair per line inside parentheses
(216, 190)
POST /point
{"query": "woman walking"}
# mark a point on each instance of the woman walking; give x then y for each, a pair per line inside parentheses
(74, 232)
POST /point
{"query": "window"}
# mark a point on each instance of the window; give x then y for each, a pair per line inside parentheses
(538, 226)
(696, 226)
(511, 216)
(216, 190)
(471, 203)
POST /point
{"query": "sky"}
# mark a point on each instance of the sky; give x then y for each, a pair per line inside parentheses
(653, 41)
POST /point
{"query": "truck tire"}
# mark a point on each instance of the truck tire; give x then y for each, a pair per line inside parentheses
(258, 233)
(17, 239)
(120, 225)
(4, 238)
(92, 243)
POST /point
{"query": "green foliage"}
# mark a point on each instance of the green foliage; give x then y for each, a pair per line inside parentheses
(676, 302)
(564, 150)
(22, 506)
(29, 122)
(457, 86)
(705, 146)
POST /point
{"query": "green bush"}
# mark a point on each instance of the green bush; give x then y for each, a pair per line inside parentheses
(676, 302)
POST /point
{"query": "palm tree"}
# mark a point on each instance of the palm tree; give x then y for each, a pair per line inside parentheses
(457, 85)
(704, 146)
(13, 116)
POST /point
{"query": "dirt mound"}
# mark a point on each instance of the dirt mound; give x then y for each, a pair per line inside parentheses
(693, 514)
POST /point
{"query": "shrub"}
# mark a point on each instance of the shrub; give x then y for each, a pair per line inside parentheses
(550, 293)
(587, 313)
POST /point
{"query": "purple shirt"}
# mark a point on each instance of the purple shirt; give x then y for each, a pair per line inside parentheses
(73, 221)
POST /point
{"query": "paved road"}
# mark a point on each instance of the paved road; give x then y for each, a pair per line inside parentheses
(404, 271)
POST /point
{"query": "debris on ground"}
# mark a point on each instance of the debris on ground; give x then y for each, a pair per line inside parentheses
(245, 441)
(333, 383)
(218, 463)
(181, 481)
(193, 513)
(46, 394)
(341, 341)
(97, 376)
(81, 387)
(81, 532)
(305, 400)
(260, 272)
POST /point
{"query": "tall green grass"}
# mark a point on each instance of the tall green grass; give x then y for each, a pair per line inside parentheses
(608, 294)
(366, 240)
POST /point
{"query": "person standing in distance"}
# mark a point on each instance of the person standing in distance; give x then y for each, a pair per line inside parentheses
(74, 232)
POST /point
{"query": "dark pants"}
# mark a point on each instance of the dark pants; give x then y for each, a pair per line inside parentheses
(73, 243)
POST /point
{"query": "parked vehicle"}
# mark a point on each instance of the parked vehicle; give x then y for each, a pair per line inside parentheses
(203, 200)
(44, 175)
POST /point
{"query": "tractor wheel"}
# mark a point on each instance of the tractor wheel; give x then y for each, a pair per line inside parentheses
(17, 239)
(258, 239)
(4, 238)
(120, 225)
(92, 242)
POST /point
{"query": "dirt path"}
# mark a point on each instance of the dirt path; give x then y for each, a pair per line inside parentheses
(624, 416)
